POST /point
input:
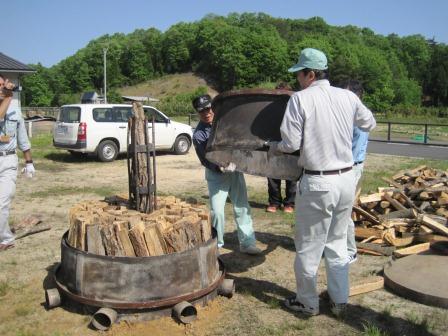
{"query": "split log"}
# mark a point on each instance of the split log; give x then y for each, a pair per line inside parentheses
(392, 183)
(379, 248)
(136, 235)
(397, 205)
(94, 240)
(36, 229)
(434, 225)
(367, 251)
(411, 250)
(110, 242)
(366, 215)
(153, 241)
(363, 233)
(122, 234)
(370, 286)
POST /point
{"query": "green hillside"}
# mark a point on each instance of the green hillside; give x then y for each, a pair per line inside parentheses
(399, 74)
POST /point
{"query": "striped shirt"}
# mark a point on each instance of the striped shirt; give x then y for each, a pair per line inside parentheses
(319, 121)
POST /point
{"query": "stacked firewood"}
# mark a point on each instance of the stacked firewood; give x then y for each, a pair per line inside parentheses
(413, 210)
(110, 228)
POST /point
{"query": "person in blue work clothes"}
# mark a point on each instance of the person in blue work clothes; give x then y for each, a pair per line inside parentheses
(12, 135)
(359, 150)
(223, 182)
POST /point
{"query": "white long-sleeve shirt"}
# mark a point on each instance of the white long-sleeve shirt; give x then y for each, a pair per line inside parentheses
(319, 121)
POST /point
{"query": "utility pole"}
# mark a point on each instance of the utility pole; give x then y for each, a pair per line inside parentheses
(105, 77)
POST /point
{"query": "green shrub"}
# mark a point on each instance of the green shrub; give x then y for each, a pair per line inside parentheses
(180, 104)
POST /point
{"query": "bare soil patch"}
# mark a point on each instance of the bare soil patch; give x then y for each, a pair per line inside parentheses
(262, 282)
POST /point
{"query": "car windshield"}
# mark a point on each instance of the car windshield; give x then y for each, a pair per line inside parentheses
(149, 112)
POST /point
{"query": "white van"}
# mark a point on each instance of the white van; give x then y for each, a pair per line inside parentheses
(102, 129)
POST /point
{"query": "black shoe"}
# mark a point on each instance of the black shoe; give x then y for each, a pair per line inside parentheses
(293, 304)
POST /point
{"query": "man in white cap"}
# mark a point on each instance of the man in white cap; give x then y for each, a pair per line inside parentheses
(319, 121)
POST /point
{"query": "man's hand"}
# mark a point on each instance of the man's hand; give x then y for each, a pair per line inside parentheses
(7, 88)
(230, 168)
(273, 149)
(29, 170)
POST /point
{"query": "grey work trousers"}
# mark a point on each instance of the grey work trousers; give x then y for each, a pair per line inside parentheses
(323, 209)
(8, 177)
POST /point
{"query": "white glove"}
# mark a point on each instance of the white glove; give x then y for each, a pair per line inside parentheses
(273, 149)
(29, 170)
(229, 169)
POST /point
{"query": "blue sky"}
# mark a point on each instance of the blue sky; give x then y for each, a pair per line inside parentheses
(47, 31)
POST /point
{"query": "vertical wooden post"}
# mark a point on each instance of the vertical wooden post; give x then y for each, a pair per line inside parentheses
(141, 180)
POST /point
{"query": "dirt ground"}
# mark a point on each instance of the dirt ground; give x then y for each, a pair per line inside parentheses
(261, 282)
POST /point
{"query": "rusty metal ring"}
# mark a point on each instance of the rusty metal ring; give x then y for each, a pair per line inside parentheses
(141, 305)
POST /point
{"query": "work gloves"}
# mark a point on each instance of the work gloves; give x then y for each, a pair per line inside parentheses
(230, 168)
(29, 170)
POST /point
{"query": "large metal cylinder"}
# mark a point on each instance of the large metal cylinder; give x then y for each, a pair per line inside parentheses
(138, 282)
(244, 120)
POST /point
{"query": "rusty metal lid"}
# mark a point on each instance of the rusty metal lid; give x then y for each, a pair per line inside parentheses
(244, 121)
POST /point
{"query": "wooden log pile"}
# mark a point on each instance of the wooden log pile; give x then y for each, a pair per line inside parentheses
(411, 213)
(110, 228)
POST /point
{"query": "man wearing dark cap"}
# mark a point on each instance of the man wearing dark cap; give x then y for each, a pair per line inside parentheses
(319, 121)
(223, 182)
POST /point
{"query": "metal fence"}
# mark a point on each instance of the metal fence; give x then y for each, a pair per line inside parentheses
(44, 111)
(388, 131)
(411, 133)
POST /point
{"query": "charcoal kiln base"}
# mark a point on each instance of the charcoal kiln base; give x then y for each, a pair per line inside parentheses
(139, 288)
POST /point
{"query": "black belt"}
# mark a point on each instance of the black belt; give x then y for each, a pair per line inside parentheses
(327, 172)
(4, 153)
(358, 163)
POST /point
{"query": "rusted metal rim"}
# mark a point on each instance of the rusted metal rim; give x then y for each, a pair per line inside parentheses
(140, 305)
(129, 260)
(242, 92)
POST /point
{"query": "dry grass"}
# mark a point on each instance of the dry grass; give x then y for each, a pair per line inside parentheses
(169, 85)
(261, 282)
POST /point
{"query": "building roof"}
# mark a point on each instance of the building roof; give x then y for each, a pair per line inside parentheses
(139, 99)
(8, 64)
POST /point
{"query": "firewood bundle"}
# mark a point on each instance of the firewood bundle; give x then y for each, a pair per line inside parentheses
(412, 210)
(110, 228)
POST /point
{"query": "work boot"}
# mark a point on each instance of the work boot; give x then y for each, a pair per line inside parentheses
(294, 304)
(251, 249)
(338, 309)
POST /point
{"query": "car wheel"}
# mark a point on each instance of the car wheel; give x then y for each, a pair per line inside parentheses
(181, 145)
(107, 151)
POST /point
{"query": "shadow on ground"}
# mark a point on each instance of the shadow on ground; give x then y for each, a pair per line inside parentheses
(237, 262)
(357, 317)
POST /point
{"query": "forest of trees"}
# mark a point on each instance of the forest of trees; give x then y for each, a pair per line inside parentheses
(250, 50)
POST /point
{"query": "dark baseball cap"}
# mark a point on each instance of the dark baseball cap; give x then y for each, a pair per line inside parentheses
(202, 103)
